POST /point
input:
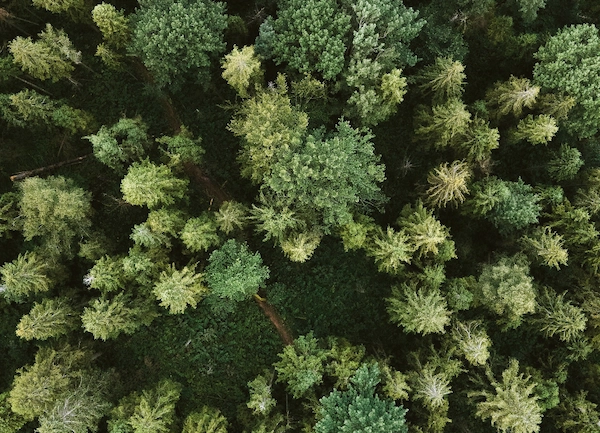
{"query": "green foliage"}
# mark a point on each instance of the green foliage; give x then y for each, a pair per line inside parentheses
(418, 310)
(177, 289)
(459, 293)
(161, 226)
(391, 250)
(445, 79)
(106, 318)
(242, 69)
(148, 184)
(48, 319)
(234, 272)
(568, 63)
(473, 342)
(555, 316)
(479, 141)
(231, 216)
(275, 223)
(50, 57)
(536, 130)
(10, 422)
(299, 247)
(26, 275)
(444, 125)
(113, 24)
(106, 275)
(55, 211)
(565, 164)
(511, 97)
(261, 401)
(507, 289)
(155, 408)
(529, 9)
(344, 361)
(511, 407)
(448, 184)
(183, 147)
(356, 234)
(578, 414)
(200, 233)
(208, 420)
(301, 365)
(311, 45)
(431, 388)
(124, 142)
(174, 38)
(73, 7)
(359, 409)
(547, 246)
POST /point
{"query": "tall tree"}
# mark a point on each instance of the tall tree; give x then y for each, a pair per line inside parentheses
(48, 319)
(242, 69)
(448, 184)
(148, 184)
(27, 274)
(177, 290)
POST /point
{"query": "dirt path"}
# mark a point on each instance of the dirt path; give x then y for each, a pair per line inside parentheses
(276, 319)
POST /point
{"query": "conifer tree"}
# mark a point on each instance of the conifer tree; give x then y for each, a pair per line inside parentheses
(155, 408)
(176, 290)
(557, 316)
(472, 340)
(565, 163)
(512, 97)
(444, 125)
(207, 420)
(445, 79)
(48, 319)
(548, 246)
(27, 274)
(148, 184)
(299, 247)
(242, 69)
(200, 233)
(448, 184)
(106, 275)
(275, 223)
(536, 130)
(231, 216)
(113, 24)
(391, 250)
(261, 400)
(357, 234)
(183, 147)
(479, 141)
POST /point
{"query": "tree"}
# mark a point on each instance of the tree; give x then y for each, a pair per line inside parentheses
(391, 250)
(148, 184)
(155, 408)
(207, 420)
(547, 245)
(511, 407)
(276, 223)
(235, 273)
(556, 316)
(536, 130)
(178, 289)
(27, 274)
(473, 342)
(299, 247)
(565, 163)
(444, 125)
(507, 289)
(261, 401)
(448, 184)
(529, 9)
(421, 310)
(121, 144)
(200, 233)
(231, 216)
(479, 141)
(50, 57)
(301, 365)
(310, 45)
(568, 63)
(10, 422)
(48, 319)
(445, 79)
(242, 69)
(106, 275)
(359, 409)
(113, 24)
(431, 387)
(174, 38)
(183, 147)
(107, 318)
(73, 7)
(511, 97)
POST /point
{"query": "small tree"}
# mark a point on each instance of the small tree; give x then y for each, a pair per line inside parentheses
(231, 216)
(200, 233)
(207, 420)
(557, 316)
(155, 409)
(565, 163)
(48, 319)
(178, 289)
(391, 250)
(299, 247)
(27, 274)
(536, 130)
(242, 69)
(473, 342)
(445, 79)
(444, 125)
(261, 401)
(147, 184)
(448, 184)
(547, 245)
(113, 24)
(512, 96)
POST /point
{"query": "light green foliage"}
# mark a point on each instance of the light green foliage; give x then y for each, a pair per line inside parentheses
(418, 310)
(208, 420)
(122, 143)
(155, 409)
(261, 401)
(507, 289)
(10, 422)
(231, 216)
(425, 232)
(275, 223)
(48, 319)
(511, 97)
(473, 342)
(431, 387)
(144, 266)
(391, 250)
(448, 184)
(176, 37)
(26, 275)
(107, 318)
(73, 7)
(557, 316)
(445, 79)
(50, 57)
(183, 147)
(200, 233)
(356, 234)
(479, 141)
(548, 246)
(565, 164)
(109, 57)
(395, 384)
(159, 229)
(311, 36)
(301, 365)
(444, 125)
(557, 106)
(536, 130)
(529, 9)
(113, 24)
(569, 63)
(513, 406)
(577, 414)
(359, 409)
(242, 69)
(176, 290)
(299, 247)
(234, 272)
(106, 275)
(270, 127)
(55, 211)
(344, 360)
(148, 184)
(331, 175)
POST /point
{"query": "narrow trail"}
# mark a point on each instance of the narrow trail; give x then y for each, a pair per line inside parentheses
(218, 195)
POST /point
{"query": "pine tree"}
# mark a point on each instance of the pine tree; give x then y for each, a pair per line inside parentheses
(513, 406)
(536, 130)
(113, 24)
(176, 290)
(155, 410)
(512, 97)
(391, 250)
(27, 274)
(555, 316)
(242, 69)
(473, 342)
(444, 125)
(48, 319)
(261, 400)
(547, 245)
(207, 420)
(147, 184)
(200, 233)
(448, 184)
(445, 79)
(565, 163)
(231, 216)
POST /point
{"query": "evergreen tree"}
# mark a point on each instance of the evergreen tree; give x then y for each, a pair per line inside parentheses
(359, 409)
(555, 316)
(391, 250)
(183, 147)
(27, 274)
(200, 233)
(444, 125)
(231, 216)
(479, 141)
(147, 184)
(577, 414)
(155, 408)
(448, 184)
(276, 223)
(242, 69)
(529, 9)
(177, 289)
(261, 400)
(106, 275)
(473, 342)
(547, 245)
(445, 79)
(10, 422)
(536, 130)
(73, 7)
(113, 24)
(513, 406)
(48, 319)
(207, 420)
(565, 164)
(512, 97)
(299, 247)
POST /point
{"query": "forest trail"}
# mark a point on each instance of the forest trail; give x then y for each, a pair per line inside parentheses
(217, 194)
